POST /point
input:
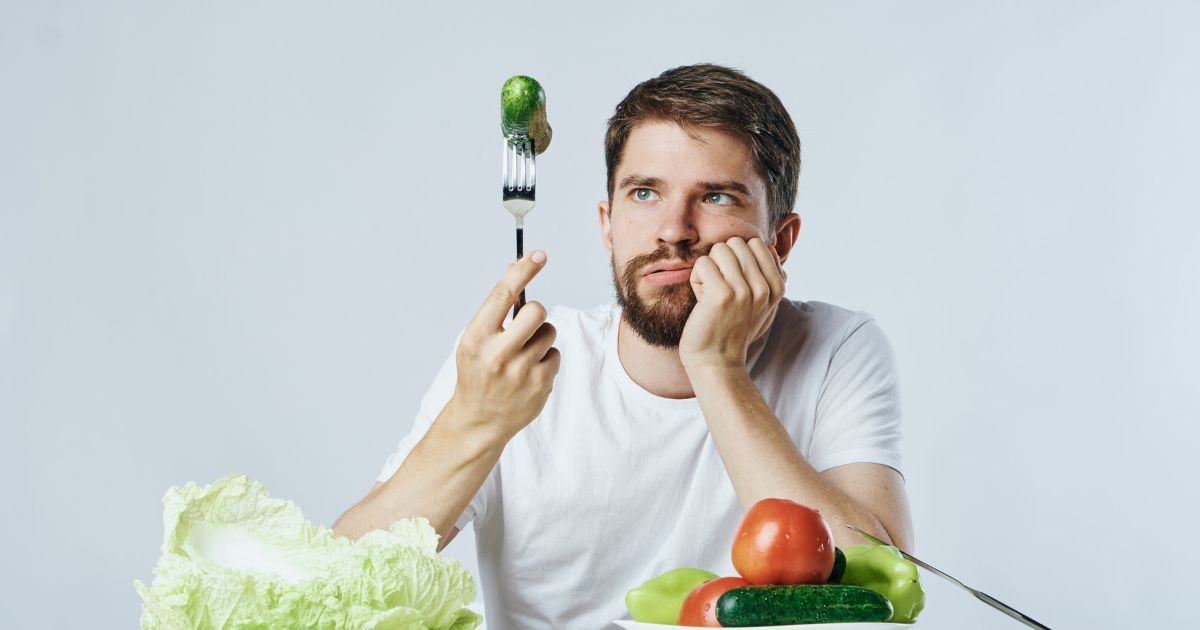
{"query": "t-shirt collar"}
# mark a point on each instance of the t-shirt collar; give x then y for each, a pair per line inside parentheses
(636, 392)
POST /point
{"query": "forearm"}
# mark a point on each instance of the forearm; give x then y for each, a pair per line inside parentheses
(761, 459)
(437, 480)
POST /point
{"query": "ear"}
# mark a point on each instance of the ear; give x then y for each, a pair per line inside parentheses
(785, 235)
(606, 225)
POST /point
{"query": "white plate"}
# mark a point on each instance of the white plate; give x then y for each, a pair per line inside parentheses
(630, 624)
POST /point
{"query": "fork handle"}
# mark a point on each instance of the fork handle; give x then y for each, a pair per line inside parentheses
(520, 255)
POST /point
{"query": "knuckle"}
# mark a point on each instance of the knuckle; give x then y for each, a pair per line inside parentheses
(519, 369)
(495, 365)
(469, 346)
(503, 294)
(539, 311)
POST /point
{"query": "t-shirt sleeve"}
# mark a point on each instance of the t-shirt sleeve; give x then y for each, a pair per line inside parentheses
(858, 412)
(432, 403)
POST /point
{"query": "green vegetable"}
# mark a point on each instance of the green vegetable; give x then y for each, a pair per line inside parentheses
(839, 566)
(884, 570)
(800, 603)
(658, 600)
(234, 558)
(523, 112)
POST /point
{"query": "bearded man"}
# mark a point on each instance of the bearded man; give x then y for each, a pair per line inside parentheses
(592, 450)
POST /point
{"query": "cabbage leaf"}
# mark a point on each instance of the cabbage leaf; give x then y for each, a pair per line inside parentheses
(233, 558)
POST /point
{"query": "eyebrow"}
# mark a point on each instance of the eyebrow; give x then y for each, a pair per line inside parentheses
(732, 184)
(640, 181)
(645, 181)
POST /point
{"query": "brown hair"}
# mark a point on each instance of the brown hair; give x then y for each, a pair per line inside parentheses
(708, 96)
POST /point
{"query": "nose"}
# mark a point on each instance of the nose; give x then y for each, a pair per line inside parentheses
(676, 224)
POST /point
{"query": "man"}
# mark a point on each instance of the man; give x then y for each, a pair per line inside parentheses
(699, 393)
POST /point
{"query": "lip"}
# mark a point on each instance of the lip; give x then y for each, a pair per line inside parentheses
(667, 266)
(668, 274)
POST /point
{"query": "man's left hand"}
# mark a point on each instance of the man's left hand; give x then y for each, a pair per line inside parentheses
(738, 286)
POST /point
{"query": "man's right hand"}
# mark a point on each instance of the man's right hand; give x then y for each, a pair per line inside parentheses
(505, 374)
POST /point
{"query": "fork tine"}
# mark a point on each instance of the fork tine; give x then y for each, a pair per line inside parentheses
(514, 168)
(507, 165)
(520, 163)
(530, 166)
(525, 165)
(504, 165)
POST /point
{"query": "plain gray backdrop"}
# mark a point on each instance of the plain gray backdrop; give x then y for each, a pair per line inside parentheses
(241, 237)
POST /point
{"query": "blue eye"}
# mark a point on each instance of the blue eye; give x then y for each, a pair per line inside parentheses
(644, 194)
(721, 199)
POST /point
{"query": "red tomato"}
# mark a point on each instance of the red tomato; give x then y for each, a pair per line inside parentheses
(700, 606)
(783, 542)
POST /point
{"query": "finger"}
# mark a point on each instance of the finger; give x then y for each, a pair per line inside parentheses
(539, 344)
(752, 269)
(731, 270)
(527, 322)
(491, 314)
(768, 261)
(706, 280)
(548, 366)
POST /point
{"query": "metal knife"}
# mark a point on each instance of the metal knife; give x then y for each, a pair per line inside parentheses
(980, 595)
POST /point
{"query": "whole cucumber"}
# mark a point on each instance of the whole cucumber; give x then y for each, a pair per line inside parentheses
(800, 604)
(523, 112)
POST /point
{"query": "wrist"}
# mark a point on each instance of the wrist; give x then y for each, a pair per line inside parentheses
(705, 374)
(478, 429)
(719, 361)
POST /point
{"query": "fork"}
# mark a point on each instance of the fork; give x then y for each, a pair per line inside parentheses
(517, 187)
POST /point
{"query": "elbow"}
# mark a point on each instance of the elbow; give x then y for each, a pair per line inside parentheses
(899, 536)
(342, 527)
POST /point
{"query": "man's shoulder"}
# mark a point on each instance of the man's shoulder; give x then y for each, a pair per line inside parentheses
(807, 335)
(593, 313)
(820, 318)
(587, 324)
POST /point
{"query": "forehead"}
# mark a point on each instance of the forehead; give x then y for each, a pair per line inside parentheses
(684, 156)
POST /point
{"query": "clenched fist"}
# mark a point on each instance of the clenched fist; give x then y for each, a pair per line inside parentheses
(738, 286)
(505, 374)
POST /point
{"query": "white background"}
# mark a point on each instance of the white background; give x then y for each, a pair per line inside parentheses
(240, 237)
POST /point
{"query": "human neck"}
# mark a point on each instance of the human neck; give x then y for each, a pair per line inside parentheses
(656, 370)
(659, 370)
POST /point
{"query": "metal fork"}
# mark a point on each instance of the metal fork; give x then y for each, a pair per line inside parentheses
(518, 186)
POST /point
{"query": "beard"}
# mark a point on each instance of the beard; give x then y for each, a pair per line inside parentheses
(660, 318)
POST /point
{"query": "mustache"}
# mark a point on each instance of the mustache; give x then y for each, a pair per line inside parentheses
(684, 252)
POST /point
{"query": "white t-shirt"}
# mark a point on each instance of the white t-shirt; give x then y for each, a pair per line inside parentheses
(612, 485)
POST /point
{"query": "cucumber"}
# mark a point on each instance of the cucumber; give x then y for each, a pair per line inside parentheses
(800, 603)
(839, 566)
(523, 112)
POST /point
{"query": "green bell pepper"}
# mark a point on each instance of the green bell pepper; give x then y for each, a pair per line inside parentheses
(658, 600)
(882, 569)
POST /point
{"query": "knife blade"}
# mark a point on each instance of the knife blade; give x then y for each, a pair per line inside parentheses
(980, 595)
